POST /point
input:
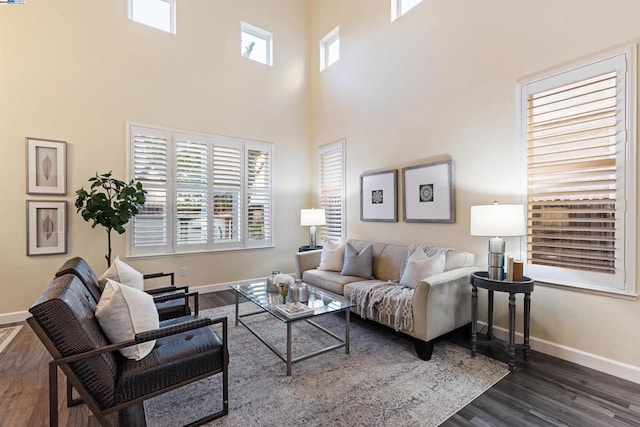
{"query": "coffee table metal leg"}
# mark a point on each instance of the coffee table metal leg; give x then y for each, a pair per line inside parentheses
(237, 300)
(347, 316)
(289, 349)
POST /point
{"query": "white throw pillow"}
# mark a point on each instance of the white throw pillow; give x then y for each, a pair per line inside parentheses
(125, 274)
(122, 312)
(332, 257)
(419, 266)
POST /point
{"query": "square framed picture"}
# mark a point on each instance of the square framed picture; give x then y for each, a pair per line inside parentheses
(46, 227)
(428, 193)
(379, 196)
(46, 166)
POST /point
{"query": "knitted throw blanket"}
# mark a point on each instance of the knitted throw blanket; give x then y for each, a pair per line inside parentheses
(385, 302)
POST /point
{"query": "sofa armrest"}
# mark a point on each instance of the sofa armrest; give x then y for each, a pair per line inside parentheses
(442, 303)
(307, 261)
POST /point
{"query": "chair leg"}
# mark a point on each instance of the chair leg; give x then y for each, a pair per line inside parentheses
(70, 400)
(53, 395)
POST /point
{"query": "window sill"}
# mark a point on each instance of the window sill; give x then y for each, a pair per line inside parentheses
(605, 293)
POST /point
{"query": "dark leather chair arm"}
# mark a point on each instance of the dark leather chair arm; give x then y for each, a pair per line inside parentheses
(170, 297)
(165, 289)
(161, 274)
(147, 336)
(174, 329)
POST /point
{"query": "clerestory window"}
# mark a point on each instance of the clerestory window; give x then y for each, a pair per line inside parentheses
(256, 44)
(160, 14)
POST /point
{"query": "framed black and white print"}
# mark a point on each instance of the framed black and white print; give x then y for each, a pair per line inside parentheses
(46, 227)
(378, 196)
(46, 166)
(428, 193)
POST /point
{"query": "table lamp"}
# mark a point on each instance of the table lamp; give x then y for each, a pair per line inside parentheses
(497, 221)
(312, 218)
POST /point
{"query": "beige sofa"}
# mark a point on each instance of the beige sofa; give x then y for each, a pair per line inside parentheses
(440, 303)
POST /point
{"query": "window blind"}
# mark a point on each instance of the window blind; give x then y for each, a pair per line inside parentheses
(258, 195)
(149, 228)
(572, 183)
(192, 187)
(332, 190)
(227, 186)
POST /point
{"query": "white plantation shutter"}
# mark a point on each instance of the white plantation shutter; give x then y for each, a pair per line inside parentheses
(332, 164)
(576, 153)
(192, 189)
(149, 162)
(227, 188)
(204, 192)
(258, 196)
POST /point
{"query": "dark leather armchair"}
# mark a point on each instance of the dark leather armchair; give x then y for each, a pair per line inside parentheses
(187, 349)
(171, 301)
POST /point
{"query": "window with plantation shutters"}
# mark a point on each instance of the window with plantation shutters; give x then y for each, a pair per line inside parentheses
(227, 190)
(205, 192)
(192, 191)
(258, 199)
(332, 200)
(580, 175)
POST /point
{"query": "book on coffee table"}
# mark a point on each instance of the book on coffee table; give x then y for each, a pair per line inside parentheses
(294, 309)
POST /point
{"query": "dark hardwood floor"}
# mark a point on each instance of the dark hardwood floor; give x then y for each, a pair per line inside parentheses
(545, 391)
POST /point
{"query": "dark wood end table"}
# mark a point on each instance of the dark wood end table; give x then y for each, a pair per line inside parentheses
(480, 280)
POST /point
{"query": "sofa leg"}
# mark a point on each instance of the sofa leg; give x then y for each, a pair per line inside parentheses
(424, 349)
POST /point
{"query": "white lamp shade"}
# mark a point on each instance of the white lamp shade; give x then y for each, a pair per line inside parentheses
(310, 217)
(497, 220)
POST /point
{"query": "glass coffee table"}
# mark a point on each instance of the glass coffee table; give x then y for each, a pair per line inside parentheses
(320, 302)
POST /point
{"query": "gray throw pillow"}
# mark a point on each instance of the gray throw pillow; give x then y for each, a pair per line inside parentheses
(358, 263)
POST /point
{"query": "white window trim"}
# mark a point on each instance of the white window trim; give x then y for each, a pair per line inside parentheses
(172, 22)
(171, 249)
(629, 174)
(261, 34)
(325, 42)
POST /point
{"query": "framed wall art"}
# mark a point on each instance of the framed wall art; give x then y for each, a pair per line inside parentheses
(428, 193)
(46, 227)
(379, 196)
(46, 166)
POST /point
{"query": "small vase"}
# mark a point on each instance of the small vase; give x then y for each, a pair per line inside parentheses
(271, 287)
(283, 288)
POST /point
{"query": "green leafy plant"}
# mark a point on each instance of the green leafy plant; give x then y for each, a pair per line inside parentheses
(110, 203)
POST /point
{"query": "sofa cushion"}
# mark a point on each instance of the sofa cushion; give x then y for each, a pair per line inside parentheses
(358, 262)
(123, 273)
(123, 312)
(420, 266)
(458, 259)
(332, 257)
(332, 281)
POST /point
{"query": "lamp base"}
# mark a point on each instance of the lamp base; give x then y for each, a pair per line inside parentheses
(495, 269)
(312, 237)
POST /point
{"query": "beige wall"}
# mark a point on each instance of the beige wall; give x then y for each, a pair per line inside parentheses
(77, 71)
(438, 82)
(441, 82)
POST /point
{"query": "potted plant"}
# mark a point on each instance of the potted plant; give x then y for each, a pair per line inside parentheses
(110, 203)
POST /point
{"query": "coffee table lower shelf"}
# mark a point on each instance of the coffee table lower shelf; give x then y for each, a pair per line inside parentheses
(288, 358)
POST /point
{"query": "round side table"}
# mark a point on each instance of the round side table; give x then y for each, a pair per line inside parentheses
(480, 280)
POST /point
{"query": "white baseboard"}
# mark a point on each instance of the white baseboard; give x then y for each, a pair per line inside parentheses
(593, 361)
(15, 317)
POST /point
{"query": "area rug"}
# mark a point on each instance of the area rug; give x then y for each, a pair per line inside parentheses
(7, 334)
(381, 382)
